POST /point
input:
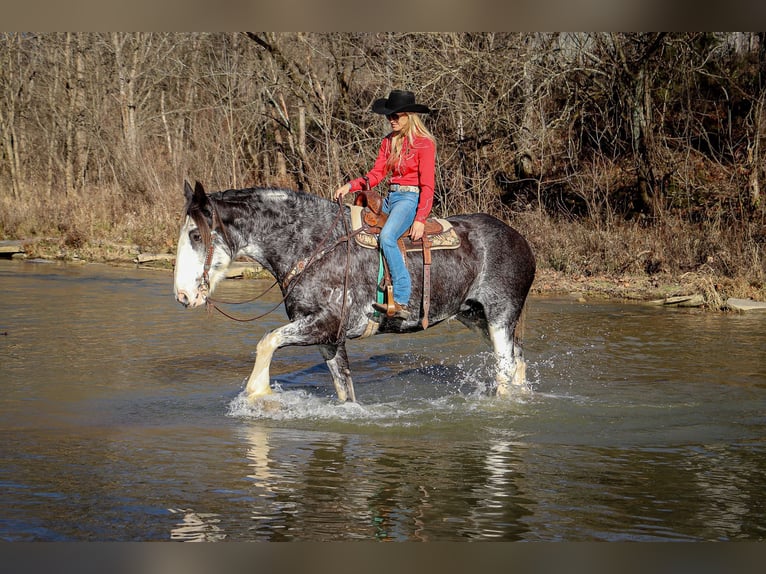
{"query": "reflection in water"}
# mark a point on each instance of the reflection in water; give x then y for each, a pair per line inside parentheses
(196, 527)
(721, 480)
(492, 519)
(258, 453)
(123, 419)
(398, 491)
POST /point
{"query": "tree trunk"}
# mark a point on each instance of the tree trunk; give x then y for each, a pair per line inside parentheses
(754, 154)
(11, 153)
(69, 168)
(80, 114)
(8, 117)
(643, 144)
(9, 77)
(166, 127)
(126, 75)
(637, 69)
(302, 148)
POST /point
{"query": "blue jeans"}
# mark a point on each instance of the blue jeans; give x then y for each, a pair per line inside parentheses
(401, 207)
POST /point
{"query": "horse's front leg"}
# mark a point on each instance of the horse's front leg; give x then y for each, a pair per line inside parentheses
(305, 331)
(258, 382)
(337, 361)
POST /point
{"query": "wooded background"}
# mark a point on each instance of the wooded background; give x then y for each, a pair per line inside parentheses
(613, 152)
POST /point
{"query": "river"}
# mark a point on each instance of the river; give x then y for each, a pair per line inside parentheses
(123, 420)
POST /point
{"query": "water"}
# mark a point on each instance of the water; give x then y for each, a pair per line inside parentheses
(122, 419)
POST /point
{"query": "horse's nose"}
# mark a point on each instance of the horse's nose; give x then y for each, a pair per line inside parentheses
(183, 298)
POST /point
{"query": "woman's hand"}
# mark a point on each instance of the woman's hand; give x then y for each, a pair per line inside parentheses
(343, 190)
(416, 231)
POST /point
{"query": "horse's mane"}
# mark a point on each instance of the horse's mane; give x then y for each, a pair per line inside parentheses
(267, 194)
(279, 205)
(233, 197)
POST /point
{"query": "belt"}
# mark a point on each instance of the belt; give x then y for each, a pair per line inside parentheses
(410, 188)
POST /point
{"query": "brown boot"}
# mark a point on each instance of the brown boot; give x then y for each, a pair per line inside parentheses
(400, 311)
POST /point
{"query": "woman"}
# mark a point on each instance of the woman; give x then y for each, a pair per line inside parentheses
(408, 155)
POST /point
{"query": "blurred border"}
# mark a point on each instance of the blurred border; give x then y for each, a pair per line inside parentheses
(374, 558)
(399, 15)
(380, 558)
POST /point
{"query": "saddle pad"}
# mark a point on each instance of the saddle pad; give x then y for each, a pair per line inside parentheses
(447, 239)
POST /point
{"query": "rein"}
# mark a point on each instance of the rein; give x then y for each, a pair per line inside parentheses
(293, 276)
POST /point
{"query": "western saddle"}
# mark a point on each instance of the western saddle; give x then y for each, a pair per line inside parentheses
(439, 234)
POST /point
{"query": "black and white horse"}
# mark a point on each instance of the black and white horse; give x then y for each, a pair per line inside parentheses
(329, 283)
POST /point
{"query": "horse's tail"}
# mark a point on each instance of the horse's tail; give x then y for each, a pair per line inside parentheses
(520, 372)
(518, 329)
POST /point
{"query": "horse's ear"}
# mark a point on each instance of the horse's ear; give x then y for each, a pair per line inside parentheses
(196, 199)
(197, 196)
(197, 193)
(200, 197)
(188, 191)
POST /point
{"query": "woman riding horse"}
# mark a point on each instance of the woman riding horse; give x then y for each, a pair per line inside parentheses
(408, 153)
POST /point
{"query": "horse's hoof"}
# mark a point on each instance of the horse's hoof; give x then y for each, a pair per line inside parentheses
(268, 402)
(506, 391)
(517, 384)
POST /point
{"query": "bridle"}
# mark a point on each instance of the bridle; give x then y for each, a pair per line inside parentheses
(205, 287)
(209, 240)
(209, 237)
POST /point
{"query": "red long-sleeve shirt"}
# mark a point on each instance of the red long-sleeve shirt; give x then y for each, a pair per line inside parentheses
(418, 167)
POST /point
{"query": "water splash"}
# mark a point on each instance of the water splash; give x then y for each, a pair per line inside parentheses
(400, 404)
(285, 405)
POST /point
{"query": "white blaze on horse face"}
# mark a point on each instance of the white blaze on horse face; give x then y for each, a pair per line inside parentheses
(188, 270)
(190, 289)
(190, 266)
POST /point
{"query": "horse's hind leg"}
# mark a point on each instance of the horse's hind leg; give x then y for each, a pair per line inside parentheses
(337, 361)
(511, 367)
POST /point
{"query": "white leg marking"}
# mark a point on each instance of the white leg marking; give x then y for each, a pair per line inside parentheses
(511, 368)
(519, 380)
(258, 383)
(337, 380)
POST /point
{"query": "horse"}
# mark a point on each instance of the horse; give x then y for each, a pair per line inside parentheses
(329, 282)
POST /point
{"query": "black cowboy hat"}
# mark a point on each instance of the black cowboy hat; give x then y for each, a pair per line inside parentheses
(398, 101)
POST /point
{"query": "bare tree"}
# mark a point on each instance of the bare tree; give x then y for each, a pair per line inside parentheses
(15, 72)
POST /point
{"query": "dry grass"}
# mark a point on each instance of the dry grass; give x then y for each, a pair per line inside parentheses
(97, 216)
(671, 258)
(623, 259)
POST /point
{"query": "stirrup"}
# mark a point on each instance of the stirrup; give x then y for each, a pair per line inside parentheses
(396, 310)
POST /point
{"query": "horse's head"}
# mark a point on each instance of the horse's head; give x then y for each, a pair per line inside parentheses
(202, 255)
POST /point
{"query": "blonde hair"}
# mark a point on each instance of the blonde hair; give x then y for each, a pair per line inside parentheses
(415, 129)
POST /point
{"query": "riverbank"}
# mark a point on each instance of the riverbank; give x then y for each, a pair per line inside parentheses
(688, 289)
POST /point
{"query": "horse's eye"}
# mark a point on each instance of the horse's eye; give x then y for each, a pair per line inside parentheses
(195, 236)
